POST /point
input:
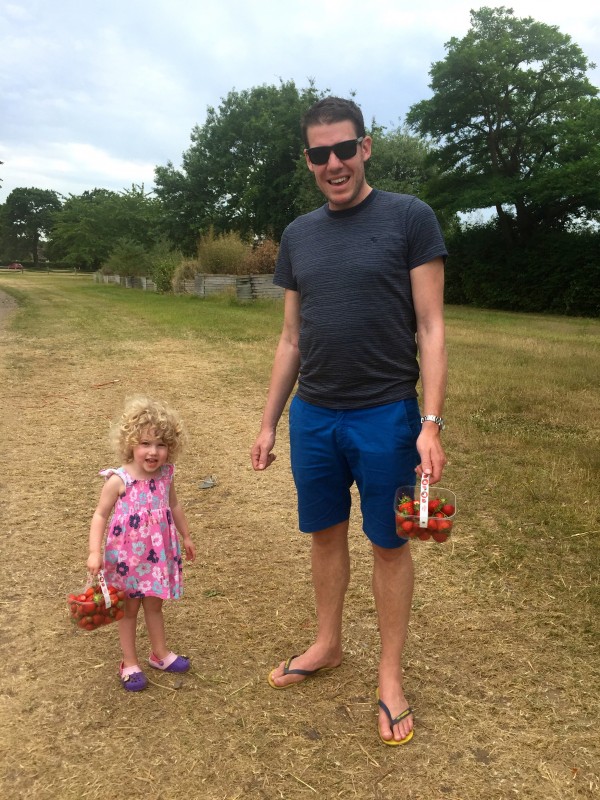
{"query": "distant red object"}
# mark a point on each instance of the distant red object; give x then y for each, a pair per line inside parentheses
(15, 265)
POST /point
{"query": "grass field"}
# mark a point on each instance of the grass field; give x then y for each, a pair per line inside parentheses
(502, 657)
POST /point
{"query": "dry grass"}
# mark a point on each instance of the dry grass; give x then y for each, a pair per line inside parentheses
(502, 659)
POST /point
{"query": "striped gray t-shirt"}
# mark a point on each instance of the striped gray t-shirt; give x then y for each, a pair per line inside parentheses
(351, 268)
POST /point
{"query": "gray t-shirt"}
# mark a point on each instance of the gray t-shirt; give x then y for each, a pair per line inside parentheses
(357, 327)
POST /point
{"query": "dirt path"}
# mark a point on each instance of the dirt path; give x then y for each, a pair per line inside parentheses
(7, 305)
(492, 721)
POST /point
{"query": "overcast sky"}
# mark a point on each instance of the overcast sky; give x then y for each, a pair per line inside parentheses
(96, 93)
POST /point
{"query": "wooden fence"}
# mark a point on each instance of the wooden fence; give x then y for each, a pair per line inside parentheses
(245, 287)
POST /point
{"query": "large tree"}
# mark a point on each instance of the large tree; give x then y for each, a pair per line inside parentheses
(90, 225)
(398, 161)
(517, 124)
(237, 173)
(28, 215)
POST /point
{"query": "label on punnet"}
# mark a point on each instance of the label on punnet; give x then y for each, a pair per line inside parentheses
(424, 501)
(104, 587)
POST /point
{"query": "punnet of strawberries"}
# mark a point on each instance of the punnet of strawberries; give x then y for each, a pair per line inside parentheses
(441, 510)
(88, 609)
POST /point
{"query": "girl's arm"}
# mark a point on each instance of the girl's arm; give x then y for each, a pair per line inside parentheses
(108, 497)
(181, 523)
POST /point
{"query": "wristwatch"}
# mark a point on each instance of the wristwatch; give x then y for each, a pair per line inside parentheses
(432, 418)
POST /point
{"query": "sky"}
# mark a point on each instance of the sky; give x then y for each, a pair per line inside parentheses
(96, 94)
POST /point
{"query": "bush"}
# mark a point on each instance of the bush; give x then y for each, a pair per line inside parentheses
(163, 264)
(127, 258)
(558, 272)
(223, 254)
(185, 270)
(261, 259)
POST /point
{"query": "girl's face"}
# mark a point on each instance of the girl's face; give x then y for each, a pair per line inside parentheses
(151, 453)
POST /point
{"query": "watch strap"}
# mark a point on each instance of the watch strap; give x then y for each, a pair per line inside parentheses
(432, 418)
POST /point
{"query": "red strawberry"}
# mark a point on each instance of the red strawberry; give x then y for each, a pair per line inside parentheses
(448, 509)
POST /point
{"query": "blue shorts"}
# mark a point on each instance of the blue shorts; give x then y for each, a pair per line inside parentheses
(372, 447)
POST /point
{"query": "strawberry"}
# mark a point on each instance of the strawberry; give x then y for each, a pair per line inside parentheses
(448, 509)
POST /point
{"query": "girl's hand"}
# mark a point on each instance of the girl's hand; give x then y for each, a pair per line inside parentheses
(94, 563)
(190, 550)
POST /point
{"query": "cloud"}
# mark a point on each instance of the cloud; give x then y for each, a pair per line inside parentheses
(77, 165)
(128, 81)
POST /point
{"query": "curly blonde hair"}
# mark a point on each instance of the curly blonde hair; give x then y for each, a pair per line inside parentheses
(140, 414)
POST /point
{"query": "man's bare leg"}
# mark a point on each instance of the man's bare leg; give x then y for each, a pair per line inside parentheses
(330, 575)
(393, 580)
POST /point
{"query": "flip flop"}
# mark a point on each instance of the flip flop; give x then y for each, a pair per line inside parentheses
(287, 671)
(393, 721)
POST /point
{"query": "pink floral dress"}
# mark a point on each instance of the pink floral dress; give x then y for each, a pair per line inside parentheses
(142, 554)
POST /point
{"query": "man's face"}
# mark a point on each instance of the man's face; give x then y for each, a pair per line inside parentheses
(342, 182)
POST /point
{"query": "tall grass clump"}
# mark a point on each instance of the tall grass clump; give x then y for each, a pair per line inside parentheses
(261, 258)
(222, 254)
(185, 270)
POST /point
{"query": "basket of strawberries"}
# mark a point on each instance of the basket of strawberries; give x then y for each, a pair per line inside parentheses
(424, 512)
(97, 604)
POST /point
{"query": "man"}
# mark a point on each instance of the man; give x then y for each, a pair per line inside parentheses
(363, 275)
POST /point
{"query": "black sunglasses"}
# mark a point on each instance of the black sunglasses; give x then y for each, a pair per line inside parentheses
(343, 150)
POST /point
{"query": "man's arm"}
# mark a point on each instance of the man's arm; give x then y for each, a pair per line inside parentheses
(427, 281)
(286, 366)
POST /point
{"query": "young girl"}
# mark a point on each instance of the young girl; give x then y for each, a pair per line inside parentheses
(142, 554)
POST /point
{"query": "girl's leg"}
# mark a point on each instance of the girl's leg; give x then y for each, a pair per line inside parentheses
(155, 623)
(127, 631)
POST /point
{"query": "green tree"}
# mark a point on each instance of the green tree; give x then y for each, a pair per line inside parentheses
(517, 125)
(238, 172)
(89, 225)
(28, 216)
(127, 258)
(399, 161)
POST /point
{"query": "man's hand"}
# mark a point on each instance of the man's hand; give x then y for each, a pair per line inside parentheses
(433, 458)
(261, 455)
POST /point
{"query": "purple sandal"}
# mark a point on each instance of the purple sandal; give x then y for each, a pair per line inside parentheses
(170, 663)
(132, 678)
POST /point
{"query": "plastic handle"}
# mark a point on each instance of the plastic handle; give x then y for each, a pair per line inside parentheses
(104, 587)
(424, 501)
